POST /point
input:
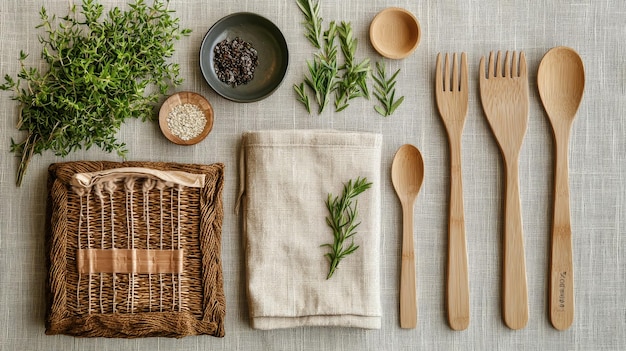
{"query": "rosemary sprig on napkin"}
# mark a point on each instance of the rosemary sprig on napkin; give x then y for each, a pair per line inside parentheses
(386, 91)
(342, 220)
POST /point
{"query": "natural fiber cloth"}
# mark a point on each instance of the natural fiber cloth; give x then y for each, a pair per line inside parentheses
(135, 213)
(287, 176)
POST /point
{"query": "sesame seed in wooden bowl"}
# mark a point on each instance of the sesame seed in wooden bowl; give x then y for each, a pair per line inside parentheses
(186, 118)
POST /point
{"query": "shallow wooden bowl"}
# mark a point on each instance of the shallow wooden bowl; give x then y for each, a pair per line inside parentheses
(185, 97)
(395, 33)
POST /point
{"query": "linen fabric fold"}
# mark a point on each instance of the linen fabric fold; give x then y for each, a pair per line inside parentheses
(286, 178)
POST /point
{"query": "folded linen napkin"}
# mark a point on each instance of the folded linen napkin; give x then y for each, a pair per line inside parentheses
(287, 176)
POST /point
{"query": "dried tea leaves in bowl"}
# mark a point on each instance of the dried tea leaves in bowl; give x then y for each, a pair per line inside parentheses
(235, 61)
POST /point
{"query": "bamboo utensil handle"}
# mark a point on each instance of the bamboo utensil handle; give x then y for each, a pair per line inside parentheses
(561, 267)
(408, 294)
(458, 282)
(515, 295)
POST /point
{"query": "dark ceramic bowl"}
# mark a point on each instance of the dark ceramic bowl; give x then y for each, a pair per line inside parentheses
(270, 44)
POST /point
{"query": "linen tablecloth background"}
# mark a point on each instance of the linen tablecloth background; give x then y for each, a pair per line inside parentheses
(595, 28)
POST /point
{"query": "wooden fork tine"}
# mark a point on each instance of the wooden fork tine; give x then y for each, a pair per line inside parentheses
(481, 68)
(499, 65)
(491, 63)
(522, 65)
(514, 66)
(455, 73)
(446, 74)
(464, 72)
(438, 75)
(507, 65)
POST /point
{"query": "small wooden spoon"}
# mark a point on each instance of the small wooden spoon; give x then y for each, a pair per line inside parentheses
(561, 81)
(407, 174)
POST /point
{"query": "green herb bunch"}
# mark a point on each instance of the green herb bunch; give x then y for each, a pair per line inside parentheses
(326, 76)
(342, 220)
(101, 71)
(385, 91)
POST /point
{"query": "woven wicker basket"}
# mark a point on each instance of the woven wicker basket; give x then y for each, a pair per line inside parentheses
(138, 217)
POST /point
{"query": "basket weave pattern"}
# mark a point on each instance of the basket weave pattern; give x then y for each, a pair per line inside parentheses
(142, 215)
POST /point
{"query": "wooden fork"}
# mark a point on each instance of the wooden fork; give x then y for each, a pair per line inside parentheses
(452, 99)
(504, 95)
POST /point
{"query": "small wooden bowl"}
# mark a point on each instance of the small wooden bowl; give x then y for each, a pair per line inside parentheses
(180, 98)
(395, 33)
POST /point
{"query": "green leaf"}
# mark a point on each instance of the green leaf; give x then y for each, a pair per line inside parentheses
(381, 111)
(341, 108)
(396, 104)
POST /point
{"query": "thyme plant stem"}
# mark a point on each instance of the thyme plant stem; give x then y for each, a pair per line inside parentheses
(100, 69)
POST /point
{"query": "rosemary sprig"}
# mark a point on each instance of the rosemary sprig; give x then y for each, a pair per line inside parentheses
(313, 21)
(100, 70)
(323, 70)
(386, 91)
(342, 220)
(325, 77)
(353, 83)
(302, 96)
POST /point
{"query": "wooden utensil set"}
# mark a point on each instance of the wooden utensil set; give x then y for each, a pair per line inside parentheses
(504, 95)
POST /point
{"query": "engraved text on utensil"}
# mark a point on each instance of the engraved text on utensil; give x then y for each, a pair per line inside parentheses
(562, 276)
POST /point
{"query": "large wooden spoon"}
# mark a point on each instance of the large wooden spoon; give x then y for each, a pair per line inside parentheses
(561, 81)
(407, 173)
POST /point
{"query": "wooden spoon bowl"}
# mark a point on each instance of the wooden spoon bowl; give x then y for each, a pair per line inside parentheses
(561, 82)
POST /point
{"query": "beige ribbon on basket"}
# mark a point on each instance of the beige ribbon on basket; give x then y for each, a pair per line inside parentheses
(187, 179)
(129, 261)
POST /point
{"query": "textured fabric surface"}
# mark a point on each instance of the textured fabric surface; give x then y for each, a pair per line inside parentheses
(289, 175)
(594, 28)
